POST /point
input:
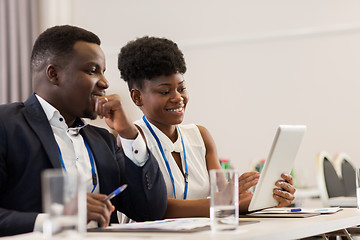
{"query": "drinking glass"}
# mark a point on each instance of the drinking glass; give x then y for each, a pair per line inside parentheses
(64, 201)
(224, 202)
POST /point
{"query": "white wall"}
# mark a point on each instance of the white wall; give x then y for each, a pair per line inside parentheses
(252, 65)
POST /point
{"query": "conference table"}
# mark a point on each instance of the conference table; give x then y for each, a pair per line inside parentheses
(262, 228)
(249, 228)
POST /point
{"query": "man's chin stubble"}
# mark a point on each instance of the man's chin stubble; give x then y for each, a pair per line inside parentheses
(90, 114)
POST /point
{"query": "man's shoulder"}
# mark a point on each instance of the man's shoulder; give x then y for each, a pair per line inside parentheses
(96, 133)
(11, 106)
(11, 109)
(97, 128)
(100, 130)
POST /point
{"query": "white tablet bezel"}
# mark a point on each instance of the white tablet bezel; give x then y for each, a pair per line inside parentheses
(281, 159)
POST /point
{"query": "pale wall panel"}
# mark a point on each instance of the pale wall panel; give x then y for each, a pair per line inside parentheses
(251, 66)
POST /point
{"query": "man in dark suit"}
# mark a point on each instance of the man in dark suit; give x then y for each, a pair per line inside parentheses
(47, 131)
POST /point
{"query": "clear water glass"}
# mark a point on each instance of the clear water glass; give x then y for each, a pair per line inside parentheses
(224, 201)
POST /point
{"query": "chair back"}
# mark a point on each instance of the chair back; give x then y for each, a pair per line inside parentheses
(346, 170)
(335, 180)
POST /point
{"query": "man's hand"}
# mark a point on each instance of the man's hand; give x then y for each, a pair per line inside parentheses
(110, 108)
(97, 210)
(284, 194)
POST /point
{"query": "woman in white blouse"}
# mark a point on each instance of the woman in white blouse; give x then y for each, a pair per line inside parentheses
(154, 70)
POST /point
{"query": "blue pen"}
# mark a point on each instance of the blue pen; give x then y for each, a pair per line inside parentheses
(322, 210)
(115, 192)
(295, 210)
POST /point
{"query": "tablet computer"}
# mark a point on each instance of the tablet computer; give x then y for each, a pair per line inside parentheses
(280, 160)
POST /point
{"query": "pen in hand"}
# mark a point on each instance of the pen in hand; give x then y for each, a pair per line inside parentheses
(115, 192)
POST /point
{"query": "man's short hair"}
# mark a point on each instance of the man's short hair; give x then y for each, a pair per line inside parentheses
(57, 43)
(149, 57)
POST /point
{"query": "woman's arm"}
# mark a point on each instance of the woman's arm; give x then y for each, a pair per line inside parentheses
(201, 208)
(246, 180)
(211, 156)
(177, 208)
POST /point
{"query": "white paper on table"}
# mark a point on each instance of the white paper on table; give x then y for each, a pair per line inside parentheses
(303, 210)
(176, 224)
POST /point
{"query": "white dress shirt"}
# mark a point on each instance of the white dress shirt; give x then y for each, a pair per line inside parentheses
(75, 155)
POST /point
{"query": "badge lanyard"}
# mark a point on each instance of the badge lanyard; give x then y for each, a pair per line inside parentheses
(93, 173)
(165, 159)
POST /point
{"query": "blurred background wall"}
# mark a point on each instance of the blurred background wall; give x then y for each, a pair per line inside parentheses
(252, 65)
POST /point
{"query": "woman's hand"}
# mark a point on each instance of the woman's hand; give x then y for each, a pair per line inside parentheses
(246, 181)
(284, 194)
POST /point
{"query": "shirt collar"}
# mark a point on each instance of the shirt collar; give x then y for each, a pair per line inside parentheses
(56, 119)
(166, 143)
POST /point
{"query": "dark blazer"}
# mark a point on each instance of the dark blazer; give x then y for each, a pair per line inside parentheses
(28, 146)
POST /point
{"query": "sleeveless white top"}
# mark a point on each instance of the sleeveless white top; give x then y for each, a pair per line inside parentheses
(198, 179)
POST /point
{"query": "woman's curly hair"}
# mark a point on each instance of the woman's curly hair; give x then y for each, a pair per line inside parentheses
(149, 57)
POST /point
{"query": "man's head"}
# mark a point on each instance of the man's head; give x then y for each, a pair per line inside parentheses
(57, 43)
(149, 57)
(68, 66)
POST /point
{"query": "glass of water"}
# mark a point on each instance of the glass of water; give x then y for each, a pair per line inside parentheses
(224, 202)
(64, 201)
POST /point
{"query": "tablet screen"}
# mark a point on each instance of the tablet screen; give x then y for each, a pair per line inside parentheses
(281, 159)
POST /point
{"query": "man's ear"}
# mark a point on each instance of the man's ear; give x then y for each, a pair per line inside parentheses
(136, 97)
(51, 74)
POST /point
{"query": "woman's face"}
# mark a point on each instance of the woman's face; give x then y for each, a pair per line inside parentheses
(164, 100)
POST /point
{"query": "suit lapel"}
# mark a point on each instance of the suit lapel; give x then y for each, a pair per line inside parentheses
(35, 116)
(106, 165)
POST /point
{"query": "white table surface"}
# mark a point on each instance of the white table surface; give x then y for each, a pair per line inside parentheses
(267, 228)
